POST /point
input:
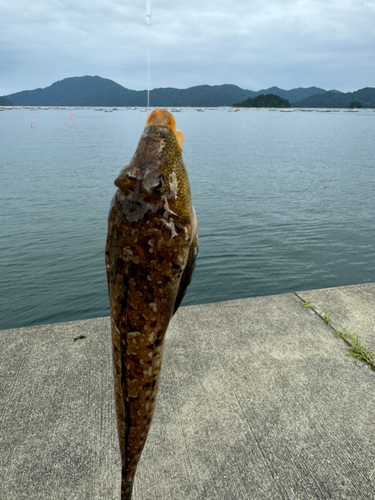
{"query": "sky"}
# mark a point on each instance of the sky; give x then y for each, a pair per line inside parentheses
(255, 44)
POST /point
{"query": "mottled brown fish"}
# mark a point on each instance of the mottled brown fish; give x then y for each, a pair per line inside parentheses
(151, 249)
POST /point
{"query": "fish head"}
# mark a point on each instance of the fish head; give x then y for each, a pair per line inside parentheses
(156, 179)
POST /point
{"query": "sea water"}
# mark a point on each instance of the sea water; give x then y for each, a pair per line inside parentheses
(285, 202)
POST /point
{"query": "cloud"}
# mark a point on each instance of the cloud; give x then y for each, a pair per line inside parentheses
(255, 44)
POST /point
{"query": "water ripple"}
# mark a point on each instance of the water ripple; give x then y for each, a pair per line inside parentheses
(284, 202)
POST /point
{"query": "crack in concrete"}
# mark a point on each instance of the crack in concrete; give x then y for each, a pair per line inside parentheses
(369, 361)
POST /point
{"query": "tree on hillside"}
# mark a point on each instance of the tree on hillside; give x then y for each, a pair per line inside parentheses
(355, 104)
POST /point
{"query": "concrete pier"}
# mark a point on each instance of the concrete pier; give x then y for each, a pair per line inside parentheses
(258, 400)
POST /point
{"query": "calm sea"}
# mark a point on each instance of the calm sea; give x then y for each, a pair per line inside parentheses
(285, 201)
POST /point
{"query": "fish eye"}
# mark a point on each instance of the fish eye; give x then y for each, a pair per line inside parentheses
(153, 182)
(159, 186)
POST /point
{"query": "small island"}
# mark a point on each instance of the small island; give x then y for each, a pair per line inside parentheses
(355, 105)
(264, 101)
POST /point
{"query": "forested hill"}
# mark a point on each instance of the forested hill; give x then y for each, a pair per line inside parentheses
(4, 101)
(97, 91)
(366, 97)
(77, 91)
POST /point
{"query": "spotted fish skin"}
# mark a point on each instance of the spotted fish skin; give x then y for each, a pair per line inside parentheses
(151, 249)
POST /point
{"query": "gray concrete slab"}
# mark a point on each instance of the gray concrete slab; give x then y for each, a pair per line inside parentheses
(57, 422)
(257, 401)
(348, 306)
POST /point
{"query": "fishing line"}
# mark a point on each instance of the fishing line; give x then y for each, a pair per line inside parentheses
(148, 76)
(148, 22)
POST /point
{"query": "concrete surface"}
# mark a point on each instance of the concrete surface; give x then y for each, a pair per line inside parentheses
(258, 400)
(348, 306)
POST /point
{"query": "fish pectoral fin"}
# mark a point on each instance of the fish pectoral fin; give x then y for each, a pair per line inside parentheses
(180, 138)
(187, 274)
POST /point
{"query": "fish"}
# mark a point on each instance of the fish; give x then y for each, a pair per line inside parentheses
(150, 255)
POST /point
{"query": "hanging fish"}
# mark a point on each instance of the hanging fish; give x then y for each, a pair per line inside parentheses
(151, 249)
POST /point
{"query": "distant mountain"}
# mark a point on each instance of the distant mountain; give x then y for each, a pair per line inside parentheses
(334, 99)
(4, 101)
(202, 95)
(294, 94)
(79, 91)
(97, 91)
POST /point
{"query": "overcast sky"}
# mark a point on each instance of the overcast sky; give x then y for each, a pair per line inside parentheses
(254, 44)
